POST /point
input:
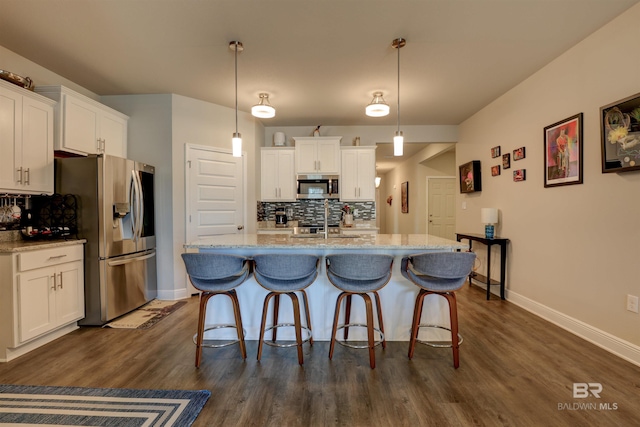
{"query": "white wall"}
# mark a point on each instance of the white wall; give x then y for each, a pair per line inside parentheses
(21, 66)
(574, 249)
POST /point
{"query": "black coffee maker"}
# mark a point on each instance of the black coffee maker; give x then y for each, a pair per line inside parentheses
(281, 217)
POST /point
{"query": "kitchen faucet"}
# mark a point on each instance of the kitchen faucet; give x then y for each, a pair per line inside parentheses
(326, 218)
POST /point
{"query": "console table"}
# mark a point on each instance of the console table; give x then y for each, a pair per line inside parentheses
(503, 260)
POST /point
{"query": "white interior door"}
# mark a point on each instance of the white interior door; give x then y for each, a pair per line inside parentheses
(214, 192)
(441, 214)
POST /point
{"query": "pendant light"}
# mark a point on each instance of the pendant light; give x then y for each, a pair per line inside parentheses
(377, 107)
(398, 139)
(236, 141)
(263, 109)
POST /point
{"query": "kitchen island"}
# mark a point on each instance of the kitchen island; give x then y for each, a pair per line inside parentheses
(397, 297)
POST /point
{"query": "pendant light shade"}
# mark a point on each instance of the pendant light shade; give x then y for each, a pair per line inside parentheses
(398, 139)
(263, 109)
(236, 140)
(378, 106)
(398, 144)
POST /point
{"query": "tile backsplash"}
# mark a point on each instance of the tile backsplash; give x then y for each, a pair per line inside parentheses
(312, 211)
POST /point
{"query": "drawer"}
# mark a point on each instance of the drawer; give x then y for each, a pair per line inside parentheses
(46, 257)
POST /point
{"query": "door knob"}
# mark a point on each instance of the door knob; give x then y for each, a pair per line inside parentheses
(240, 227)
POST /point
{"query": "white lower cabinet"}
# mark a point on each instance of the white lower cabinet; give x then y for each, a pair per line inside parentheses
(42, 297)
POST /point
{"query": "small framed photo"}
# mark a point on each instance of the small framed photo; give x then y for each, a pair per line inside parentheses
(506, 161)
(470, 177)
(495, 152)
(520, 175)
(495, 170)
(518, 154)
(563, 152)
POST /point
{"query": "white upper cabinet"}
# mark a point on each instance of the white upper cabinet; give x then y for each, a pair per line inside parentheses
(85, 126)
(26, 139)
(277, 178)
(318, 155)
(357, 181)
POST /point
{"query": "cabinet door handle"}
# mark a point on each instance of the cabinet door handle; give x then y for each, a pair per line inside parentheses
(104, 145)
(27, 176)
(58, 256)
(319, 165)
(54, 282)
(60, 286)
(19, 180)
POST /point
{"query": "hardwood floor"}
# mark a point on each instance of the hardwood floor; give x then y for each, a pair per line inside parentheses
(515, 370)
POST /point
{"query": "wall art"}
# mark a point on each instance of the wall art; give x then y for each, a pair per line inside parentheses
(404, 196)
(563, 152)
(495, 152)
(506, 161)
(470, 177)
(495, 170)
(518, 154)
(620, 132)
(520, 175)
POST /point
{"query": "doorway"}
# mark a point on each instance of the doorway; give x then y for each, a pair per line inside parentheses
(441, 213)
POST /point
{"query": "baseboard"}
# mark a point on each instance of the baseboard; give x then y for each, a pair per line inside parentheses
(621, 348)
(173, 294)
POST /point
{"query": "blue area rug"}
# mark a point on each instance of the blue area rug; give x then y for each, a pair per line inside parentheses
(76, 406)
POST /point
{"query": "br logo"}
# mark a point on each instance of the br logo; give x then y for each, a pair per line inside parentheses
(583, 390)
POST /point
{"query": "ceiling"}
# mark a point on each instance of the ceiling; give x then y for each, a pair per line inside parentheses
(319, 60)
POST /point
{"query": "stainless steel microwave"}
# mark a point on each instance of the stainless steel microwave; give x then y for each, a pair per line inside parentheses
(318, 187)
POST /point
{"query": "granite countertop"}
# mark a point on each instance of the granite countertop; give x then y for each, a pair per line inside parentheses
(24, 245)
(283, 241)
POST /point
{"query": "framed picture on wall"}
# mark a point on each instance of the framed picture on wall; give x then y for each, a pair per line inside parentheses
(506, 161)
(620, 133)
(495, 152)
(470, 177)
(519, 154)
(563, 152)
(404, 196)
(495, 170)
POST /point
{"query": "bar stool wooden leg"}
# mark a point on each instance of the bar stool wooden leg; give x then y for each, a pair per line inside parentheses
(415, 326)
(265, 309)
(276, 310)
(334, 330)
(370, 338)
(236, 312)
(308, 315)
(380, 322)
(204, 298)
(453, 316)
(347, 316)
(296, 323)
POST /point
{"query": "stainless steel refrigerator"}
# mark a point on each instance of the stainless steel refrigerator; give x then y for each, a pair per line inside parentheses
(116, 216)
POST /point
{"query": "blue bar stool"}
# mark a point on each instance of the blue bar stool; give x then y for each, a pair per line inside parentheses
(285, 274)
(359, 274)
(440, 273)
(216, 274)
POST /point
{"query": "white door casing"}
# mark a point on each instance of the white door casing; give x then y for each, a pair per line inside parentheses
(441, 217)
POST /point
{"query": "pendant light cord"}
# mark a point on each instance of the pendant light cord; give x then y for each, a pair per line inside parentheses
(236, 56)
(399, 86)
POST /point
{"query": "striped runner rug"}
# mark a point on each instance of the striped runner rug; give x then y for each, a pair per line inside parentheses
(76, 406)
